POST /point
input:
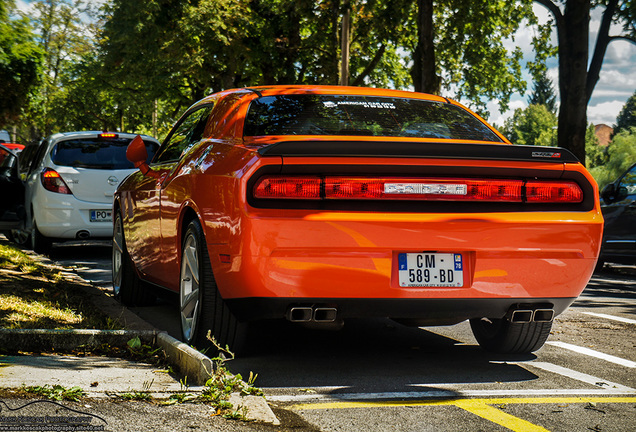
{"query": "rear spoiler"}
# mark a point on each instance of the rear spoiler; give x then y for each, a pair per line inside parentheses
(410, 149)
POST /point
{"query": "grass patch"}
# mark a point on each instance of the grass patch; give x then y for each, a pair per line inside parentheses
(56, 392)
(37, 295)
(220, 386)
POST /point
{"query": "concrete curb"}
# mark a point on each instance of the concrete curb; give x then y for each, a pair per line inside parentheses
(192, 364)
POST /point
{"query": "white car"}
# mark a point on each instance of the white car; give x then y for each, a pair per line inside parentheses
(70, 184)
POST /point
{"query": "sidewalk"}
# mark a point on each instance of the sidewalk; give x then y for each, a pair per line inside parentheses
(107, 377)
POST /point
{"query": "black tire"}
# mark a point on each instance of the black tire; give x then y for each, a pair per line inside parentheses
(201, 307)
(20, 237)
(503, 336)
(39, 242)
(127, 286)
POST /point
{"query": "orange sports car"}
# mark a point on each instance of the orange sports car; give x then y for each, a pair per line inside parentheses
(319, 204)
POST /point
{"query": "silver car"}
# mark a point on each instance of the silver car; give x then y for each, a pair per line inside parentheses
(70, 184)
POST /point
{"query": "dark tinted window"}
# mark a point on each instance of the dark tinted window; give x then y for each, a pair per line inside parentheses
(184, 135)
(26, 157)
(96, 153)
(362, 115)
(629, 181)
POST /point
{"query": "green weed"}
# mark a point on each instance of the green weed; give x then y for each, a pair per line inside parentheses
(56, 392)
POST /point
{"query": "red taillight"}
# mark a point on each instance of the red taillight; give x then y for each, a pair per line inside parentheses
(288, 188)
(423, 189)
(538, 191)
(429, 189)
(108, 135)
(353, 188)
(52, 181)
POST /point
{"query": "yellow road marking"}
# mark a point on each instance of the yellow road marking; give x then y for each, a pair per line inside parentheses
(480, 407)
(490, 413)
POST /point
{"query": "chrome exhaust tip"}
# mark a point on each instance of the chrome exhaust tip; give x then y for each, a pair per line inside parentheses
(521, 316)
(543, 315)
(83, 235)
(300, 314)
(325, 314)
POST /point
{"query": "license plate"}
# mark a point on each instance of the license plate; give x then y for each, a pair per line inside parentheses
(430, 270)
(101, 216)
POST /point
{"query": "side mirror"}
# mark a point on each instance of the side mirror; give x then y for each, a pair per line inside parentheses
(137, 154)
(621, 194)
(608, 193)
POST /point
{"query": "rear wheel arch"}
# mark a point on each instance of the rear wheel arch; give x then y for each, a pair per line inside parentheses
(202, 308)
(188, 215)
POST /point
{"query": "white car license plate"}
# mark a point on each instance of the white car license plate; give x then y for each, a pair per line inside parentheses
(430, 269)
(101, 216)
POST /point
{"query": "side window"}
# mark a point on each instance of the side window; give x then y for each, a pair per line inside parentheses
(629, 181)
(39, 156)
(185, 134)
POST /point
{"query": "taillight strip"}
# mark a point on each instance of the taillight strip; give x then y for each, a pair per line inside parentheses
(541, 191)
(279, 187)
(423, 189)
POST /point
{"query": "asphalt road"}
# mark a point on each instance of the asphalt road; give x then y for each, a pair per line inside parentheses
(376, 375)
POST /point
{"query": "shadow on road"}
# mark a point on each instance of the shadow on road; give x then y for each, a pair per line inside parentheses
(369, 356)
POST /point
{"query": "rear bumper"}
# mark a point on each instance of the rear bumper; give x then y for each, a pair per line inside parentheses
(64, 218)
(321, 256)
(416, 311)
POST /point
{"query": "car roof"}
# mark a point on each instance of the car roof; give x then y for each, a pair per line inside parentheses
(342, 90)
(274, 90)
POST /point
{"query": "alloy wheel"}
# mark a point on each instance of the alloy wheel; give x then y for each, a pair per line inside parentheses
(118, 252)
(189, 288)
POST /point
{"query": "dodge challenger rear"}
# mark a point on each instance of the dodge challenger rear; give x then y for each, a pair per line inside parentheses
(320, 204)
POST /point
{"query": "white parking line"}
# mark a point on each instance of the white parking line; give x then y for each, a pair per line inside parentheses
(593, 353)
(435, 394)
(611, 317)
(579, 376)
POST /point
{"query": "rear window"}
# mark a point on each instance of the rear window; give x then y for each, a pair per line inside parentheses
(364, 116)
(96, 153)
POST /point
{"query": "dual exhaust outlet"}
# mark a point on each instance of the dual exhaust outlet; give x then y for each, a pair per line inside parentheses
(317, 314)
(325, 314)
(531, 315)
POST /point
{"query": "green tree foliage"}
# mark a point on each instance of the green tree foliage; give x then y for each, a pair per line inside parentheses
(218, 44)
(149, 60)
(64, 40)
(543, 92)
(595, 154)
(471, 56)
(20, 60)
(627, 117)
(535, 125)
(621, 154)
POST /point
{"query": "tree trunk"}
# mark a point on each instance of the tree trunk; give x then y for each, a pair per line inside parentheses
(602, 41)
(424, 68)
(344, 45)
(573, 54)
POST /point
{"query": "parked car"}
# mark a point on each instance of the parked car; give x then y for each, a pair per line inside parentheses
(320, 204)
(5, 137)
(12, 202)
(619, 211)
(17, 148)
(70, 182)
